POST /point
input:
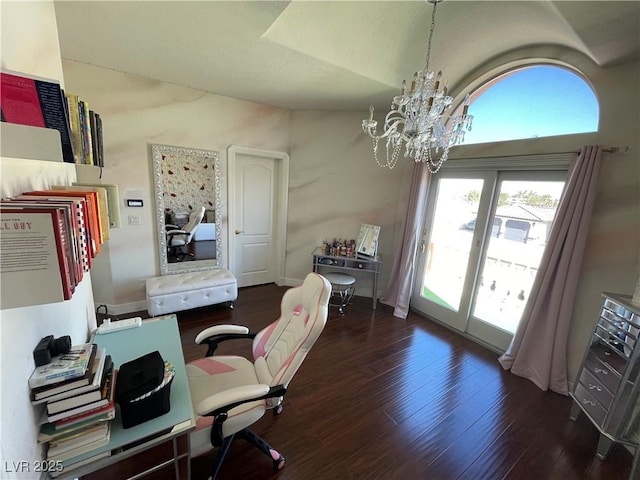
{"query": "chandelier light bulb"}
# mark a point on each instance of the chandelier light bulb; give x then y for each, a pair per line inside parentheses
(417, 119)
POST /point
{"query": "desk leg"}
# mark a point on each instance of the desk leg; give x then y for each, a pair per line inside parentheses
(375, 290)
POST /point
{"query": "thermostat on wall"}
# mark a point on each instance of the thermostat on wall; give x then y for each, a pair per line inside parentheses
(131, 202)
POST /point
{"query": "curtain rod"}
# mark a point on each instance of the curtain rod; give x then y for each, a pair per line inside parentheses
(623, 149)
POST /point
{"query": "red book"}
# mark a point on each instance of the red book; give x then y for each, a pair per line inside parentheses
(35, 256)
(37, 102)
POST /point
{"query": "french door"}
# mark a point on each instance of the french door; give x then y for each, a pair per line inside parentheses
(484, 236)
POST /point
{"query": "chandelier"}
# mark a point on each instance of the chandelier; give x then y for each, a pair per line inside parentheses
(417, 119)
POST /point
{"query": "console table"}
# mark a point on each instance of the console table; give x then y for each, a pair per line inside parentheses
(166, 436)
(370, 265)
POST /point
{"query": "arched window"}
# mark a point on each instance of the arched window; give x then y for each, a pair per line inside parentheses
(531, 102)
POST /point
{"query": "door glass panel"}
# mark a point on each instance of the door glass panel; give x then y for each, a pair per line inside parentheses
(450, 240)
(521, 227)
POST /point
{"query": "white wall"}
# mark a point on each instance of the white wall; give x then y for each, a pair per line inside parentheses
(31, 46)
(30, 39)
(137, 112)
(334, 186)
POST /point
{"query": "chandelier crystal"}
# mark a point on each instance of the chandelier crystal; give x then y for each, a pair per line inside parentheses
(417, 120)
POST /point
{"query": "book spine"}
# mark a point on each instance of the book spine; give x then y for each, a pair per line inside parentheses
(77, 247)
(74, 121)
(100, 141)
(65, 227)
(87, 132)
(72, 402)
(104, 413)
(94, 137)
(83, 136)
(61, 240)
(84, 235)
(52, 104)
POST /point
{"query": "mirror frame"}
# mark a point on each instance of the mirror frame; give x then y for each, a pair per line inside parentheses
(157, 151)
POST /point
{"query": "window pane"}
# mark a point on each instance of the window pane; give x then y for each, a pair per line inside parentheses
(450, 241)
(531, 102)
(524, 215)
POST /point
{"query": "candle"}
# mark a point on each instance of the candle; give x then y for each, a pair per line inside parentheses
(467, 100)
(371, 113)
(438, 80)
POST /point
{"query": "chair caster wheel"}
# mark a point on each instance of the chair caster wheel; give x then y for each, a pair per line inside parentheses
(277, 411)
(279, 463)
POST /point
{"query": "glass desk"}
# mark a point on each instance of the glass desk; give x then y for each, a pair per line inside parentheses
(172, 428)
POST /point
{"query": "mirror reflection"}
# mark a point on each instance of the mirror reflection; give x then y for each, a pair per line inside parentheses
(187, 195)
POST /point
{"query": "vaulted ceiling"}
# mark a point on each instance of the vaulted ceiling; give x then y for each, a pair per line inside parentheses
(334, 55)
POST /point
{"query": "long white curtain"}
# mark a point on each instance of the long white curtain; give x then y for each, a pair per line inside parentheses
(398, 293)
(538, 350)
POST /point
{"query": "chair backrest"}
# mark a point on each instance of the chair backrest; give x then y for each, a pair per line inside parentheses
(280, 348)
(195, 218)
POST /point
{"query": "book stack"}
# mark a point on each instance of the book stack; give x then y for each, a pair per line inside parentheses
(50, 238)
(41, 102)
(86, 131)
(77, 390)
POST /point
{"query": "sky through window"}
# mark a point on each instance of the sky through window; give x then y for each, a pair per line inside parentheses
(531, 102)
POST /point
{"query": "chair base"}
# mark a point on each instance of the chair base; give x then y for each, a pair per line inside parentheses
(178, 253)
(255, 440)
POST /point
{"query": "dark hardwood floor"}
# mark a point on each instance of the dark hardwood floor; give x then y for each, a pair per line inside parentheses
(383, 398)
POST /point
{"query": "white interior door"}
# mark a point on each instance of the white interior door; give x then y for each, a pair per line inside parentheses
(254, 222)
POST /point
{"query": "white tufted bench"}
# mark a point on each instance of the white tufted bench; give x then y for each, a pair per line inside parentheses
(183, 291)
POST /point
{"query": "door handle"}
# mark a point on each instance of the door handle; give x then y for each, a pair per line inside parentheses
(238, 232)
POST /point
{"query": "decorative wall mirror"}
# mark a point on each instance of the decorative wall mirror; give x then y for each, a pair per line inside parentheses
(187, 181)
(367, 243)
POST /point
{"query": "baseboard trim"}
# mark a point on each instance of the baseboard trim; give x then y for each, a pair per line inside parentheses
(290, 282)
(123, 308)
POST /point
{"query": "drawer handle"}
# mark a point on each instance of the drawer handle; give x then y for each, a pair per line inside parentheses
(594, 387)
(589, 402)
(601, 370)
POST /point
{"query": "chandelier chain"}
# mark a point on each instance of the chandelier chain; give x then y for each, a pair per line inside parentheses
(418, 119)
(433, 27)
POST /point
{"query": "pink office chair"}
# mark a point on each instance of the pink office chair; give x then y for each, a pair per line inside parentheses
(230, 393)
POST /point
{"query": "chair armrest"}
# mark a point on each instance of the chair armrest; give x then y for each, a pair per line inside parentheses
(173, 227)
(224, 401)
(221, 330)
(176, 232)
(212, 336)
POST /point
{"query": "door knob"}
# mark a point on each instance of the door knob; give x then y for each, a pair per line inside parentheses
(238, 232)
